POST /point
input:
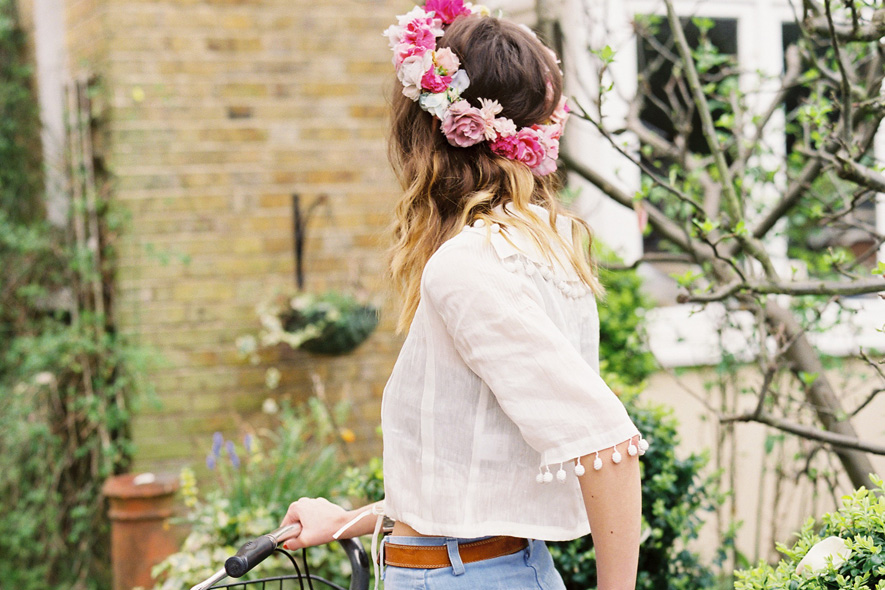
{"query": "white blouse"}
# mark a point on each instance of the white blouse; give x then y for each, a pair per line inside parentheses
(495, 390)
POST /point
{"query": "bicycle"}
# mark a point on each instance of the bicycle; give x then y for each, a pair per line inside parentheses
(257, 550)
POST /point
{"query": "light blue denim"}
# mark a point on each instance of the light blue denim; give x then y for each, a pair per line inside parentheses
(528, 569)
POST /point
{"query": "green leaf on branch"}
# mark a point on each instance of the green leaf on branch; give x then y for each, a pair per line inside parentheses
(808, 379)
(606, 55)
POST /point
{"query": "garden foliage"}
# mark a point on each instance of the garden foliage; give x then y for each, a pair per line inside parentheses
(253, 486)
(859, 523)
(66, 377)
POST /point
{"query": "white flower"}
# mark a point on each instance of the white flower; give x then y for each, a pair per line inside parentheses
(460, 82)
(504, 126)
(435, 104)
(272, 378)
(300, 302)
(44, 378)
(270, 406)
(815, 560)
(411, 72)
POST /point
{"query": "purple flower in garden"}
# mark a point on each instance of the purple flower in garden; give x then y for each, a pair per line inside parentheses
(232, 453)
(217, 441)
(210, 461)
(247, 443)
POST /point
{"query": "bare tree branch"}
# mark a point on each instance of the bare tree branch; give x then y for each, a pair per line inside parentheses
(842, 288)
(808, 432)
(872, 31)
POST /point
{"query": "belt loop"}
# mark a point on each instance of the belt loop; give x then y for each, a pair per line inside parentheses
(530, 547)
(455, 557)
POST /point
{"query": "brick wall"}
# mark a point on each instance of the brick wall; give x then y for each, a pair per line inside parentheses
(218, 111)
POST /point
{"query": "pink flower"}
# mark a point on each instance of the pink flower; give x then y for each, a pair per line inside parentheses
(412, 71)
(530, 150)
(446, 59)
(560, 115)
(447, 10)
(434, 82)
(526, 147)
(464, 125)
(505, 146)
(404, 50)
(419, 33)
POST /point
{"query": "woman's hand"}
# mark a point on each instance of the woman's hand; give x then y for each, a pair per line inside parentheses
(320, 519)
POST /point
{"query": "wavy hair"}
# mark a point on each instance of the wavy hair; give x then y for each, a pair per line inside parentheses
(446, 187)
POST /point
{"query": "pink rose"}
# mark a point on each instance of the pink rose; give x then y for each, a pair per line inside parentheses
(434, 82)
(446, 59)
(464, 125)
(447, 10)
(530, 150)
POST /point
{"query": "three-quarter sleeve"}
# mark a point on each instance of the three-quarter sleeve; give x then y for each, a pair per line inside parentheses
(500, 327)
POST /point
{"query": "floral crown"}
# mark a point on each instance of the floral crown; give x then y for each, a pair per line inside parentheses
(432, 78)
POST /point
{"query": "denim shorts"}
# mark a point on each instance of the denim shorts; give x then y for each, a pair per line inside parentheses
(528, 569)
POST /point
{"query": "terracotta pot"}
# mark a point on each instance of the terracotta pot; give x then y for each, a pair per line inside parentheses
(141, 537)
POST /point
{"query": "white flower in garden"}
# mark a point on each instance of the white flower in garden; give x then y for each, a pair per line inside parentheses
(815, 560)
(270, 406)
(272, 378)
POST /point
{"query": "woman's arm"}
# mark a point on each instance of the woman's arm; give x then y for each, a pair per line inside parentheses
(320, 519)
(613, 500)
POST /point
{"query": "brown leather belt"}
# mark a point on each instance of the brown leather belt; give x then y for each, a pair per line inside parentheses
(437, 556)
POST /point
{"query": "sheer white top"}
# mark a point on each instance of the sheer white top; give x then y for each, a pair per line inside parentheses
(496, 385)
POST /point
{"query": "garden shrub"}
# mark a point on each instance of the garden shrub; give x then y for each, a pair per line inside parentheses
(253, 486)
(66, 377)
(860, 524)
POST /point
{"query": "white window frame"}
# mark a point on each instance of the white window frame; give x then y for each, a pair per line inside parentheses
(687, 334)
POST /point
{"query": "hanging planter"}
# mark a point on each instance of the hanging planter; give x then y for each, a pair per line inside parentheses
(332, 323)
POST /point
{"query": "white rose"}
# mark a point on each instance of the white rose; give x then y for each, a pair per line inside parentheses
(435, 104)
(411, 71)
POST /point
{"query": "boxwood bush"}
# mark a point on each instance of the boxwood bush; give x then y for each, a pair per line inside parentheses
(859, 523)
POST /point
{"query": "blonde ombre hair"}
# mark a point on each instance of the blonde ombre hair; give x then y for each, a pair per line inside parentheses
(447, 187)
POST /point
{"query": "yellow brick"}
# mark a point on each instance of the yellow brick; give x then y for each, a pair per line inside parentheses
(202, 290)
(233, 44)
(242, 89)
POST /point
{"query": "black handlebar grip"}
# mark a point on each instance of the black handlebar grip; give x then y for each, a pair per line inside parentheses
(249, 555)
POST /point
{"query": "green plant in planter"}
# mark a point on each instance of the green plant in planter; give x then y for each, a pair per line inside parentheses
(845, 550)
(331, 323)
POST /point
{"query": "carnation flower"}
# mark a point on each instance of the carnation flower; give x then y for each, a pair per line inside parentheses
(404, 50)
(464, 125)
(434, 82)
(504, 127)
(505, 146)
(420, 33)
(447, 10)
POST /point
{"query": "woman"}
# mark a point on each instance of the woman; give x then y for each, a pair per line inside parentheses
(498, 432)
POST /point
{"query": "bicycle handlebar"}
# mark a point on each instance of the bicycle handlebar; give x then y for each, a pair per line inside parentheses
(257, 550)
